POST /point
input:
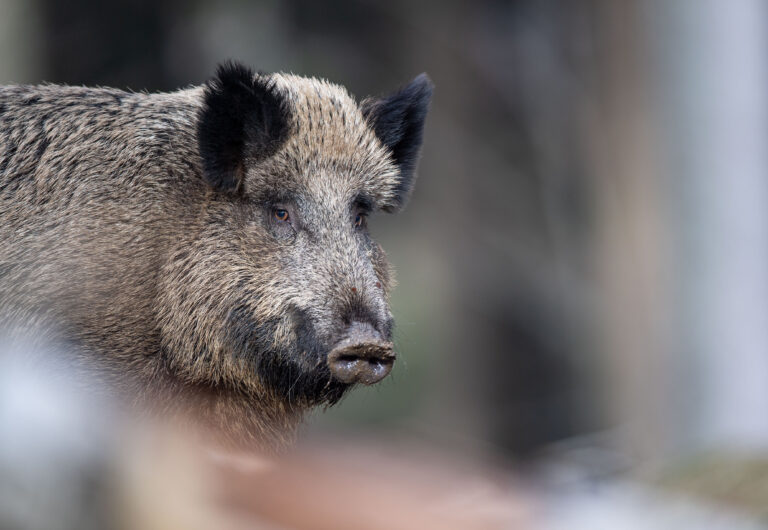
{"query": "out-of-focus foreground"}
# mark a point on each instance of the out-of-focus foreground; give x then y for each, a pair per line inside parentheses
(583, 266)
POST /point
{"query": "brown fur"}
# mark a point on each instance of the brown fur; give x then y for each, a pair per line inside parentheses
(178, 291)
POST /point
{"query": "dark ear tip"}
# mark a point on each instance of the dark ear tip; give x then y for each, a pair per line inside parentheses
(424, 82)
(228, 66)
(242, 116)
(420, 89)
(229, 74)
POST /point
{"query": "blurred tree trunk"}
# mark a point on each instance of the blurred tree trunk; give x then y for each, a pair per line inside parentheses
(679, 149)
(632, 232)
(713, 85)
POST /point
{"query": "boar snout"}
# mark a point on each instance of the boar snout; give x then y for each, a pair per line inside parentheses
(362, 356)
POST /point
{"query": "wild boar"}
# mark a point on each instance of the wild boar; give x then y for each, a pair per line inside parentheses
(209, 245)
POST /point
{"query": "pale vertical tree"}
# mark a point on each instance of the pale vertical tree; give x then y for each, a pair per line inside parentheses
(713, 91)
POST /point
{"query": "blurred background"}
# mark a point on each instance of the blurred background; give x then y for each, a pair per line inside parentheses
(583, 267)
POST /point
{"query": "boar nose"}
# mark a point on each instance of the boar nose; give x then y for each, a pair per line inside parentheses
(361, 356)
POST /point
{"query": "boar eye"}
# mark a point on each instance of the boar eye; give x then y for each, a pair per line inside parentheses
(280, 214)
(360, 220)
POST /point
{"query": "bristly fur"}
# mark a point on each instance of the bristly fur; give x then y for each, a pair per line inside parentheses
(242, 116)
(114, 231)
(398, 121)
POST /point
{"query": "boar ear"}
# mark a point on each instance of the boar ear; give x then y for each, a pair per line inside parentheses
(398, 121)
(243, 117)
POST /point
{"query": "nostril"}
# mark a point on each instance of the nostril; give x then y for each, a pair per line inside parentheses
(366, 364)
(361, 356)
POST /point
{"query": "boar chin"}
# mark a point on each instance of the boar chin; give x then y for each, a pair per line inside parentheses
(295, 371)
(296, 383)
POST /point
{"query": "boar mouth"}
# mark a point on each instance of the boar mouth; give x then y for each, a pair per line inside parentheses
(362, 356)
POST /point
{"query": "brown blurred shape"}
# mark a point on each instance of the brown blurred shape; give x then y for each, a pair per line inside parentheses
(169, 483)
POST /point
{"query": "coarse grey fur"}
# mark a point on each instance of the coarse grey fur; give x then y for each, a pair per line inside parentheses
(117, 233)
